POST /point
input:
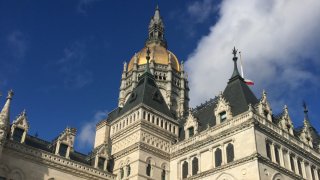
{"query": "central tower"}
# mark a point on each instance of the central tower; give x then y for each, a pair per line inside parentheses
(164, 66)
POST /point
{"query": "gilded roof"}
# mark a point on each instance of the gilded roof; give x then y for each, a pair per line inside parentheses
(159, 54)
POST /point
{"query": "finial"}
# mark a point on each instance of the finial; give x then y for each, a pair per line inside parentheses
(157, 7)
(305, 110)
(234, 52)
(10, 94)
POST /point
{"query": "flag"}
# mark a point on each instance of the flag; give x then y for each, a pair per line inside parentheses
(249, 82)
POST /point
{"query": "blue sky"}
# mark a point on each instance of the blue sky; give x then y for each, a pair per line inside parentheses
(64, 59)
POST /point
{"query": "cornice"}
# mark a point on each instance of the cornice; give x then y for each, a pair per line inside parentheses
(142, 146)
(56, 162)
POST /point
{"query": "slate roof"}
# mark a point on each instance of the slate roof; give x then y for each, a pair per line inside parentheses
(238, 95)
(41, 144)
(147, 93)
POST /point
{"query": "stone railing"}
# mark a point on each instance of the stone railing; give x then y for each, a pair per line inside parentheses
(58, 161)
(213, 131)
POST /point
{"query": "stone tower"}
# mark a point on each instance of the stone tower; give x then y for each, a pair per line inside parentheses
(168, 73)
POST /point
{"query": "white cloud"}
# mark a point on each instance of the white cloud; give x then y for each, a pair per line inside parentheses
(278, 40)
(17, 43)
(200, 11)
(87, 131)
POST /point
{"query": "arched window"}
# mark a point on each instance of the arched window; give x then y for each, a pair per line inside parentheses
(218, 157)
(121, 173)
(166, 125)
(157, 121)
(144, 115)
(292, 163)
(268, 148)
(148, 117)
(300, 166)
(230, 153)
(195, 166)
(148, 169)
(163, 174)
(128, 170)
(277, 155)
(101, 161)
(184, 170)
(161, 123)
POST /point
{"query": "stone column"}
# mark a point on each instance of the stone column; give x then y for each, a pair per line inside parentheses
(315, 174)
(303, 167)
(281, 157)
(273, 158)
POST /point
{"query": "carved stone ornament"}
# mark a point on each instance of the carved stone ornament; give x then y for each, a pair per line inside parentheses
(191, 122)
(264, 108)
(285, 121)
(222, 106)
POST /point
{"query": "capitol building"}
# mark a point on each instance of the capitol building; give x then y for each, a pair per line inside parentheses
(153, 133)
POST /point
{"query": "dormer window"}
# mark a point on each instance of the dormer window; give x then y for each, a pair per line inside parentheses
(265, 113)
(63, 150)
(223, 116)
(17, 134)
(101, 161)
(191, 131)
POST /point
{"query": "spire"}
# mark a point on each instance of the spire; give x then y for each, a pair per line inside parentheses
(5, 112)
(305, 110)
(156, 29)
(235, 74)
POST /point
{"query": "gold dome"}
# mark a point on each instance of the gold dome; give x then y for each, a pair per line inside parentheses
(159, 54)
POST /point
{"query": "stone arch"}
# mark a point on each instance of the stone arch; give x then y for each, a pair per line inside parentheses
(4, 170)
(16, 174)
(277, 176)
(225, 176)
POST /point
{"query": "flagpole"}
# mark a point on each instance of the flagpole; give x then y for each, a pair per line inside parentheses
(241, 68)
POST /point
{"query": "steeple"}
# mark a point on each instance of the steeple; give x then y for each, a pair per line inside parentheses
(235, 74)
(156, 30)
(237, 92)
(5, 112)
(306, 121)
(5, 120)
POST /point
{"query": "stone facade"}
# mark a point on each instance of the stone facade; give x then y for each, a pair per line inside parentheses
(154, 135)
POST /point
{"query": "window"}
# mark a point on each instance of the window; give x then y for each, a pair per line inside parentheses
(166, 125)
(157, 121)
(265, 113)
(195, 166)
(63, 150)
(191, 131)
(223, 116)
(230, 153)
(184, 170)
(128, 170)
(218, 157)
(268, 148)
(148, 169)
(144, 115)
(300, 166)
(121, 173)
(163, 174)
(17, 134)
(292, 163)
(277, 155)
(101, 161)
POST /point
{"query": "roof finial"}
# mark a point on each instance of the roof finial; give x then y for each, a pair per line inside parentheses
(305, 110)
(234, 52)
(235, 74)
(148, 58)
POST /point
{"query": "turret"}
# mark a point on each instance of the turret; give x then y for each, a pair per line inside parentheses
(123, 85)
(5, 121)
